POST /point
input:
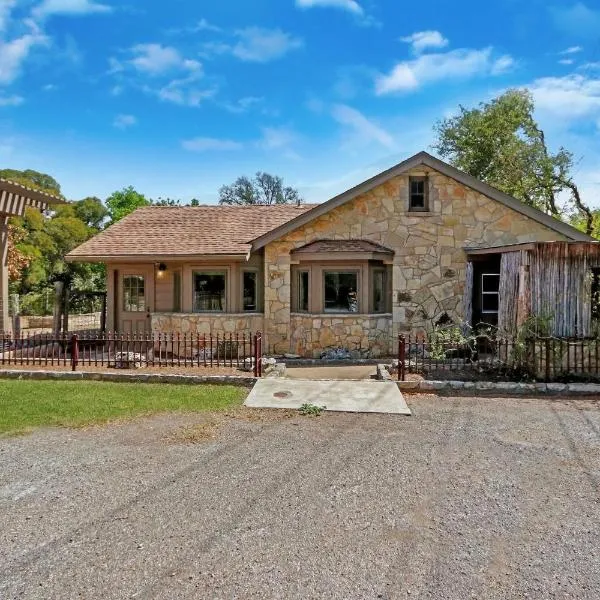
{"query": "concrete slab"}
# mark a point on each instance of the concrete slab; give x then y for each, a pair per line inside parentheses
(337, 372)
(344, 396)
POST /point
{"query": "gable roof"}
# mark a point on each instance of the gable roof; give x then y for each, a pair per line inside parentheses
(185, 232)
(425, 159)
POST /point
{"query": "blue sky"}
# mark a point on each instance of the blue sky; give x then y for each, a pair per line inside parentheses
(178, 98)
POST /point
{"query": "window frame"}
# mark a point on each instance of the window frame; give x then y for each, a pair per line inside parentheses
(418, 179)
(125, 288)
(384, 271)
(257, 295)
(212, 272)
(329, 271)
(494, 293)
(296, 302)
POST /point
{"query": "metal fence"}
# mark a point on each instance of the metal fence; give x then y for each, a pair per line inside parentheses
(541, 358)
(97, 349)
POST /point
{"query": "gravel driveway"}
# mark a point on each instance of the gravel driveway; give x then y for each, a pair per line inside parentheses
(469, 498)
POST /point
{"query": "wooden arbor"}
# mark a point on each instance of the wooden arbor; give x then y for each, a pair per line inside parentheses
(14, 199)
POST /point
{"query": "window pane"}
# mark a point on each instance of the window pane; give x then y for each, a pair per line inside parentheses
(134, 297)
(209, 292)
(249, 284)
(379, 291)
(489, 303)
(177, 291)
(490, 283)
(341, 292)
(303, 291)
(417, 193)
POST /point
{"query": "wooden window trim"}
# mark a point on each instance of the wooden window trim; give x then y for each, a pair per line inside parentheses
(419, 209)
(258, 299)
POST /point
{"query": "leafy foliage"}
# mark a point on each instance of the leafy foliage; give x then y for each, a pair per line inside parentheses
(262, 189)
(501, 143)
(123, 202)
(311, 410)
(32, 179)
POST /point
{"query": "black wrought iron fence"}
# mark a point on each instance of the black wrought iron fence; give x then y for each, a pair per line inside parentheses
(541, 358)
(137, 350)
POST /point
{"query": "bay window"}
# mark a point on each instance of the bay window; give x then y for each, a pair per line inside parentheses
(340, 289)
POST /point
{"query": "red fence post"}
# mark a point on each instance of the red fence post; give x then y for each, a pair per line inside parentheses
(74, 352)
(255, 355)
(401, 357)
(259, 354)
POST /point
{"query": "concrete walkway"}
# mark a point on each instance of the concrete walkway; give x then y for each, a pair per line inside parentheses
(345, 396)
(334, 372)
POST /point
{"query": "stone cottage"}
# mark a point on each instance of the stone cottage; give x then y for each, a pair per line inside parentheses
(416, 244)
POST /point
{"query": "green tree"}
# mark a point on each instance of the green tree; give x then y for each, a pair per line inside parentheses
(123, 202)
(32, 179)
(92, 212)
(262, 189)
(501, 143)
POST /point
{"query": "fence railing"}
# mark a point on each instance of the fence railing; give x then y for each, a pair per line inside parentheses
(137, 350)
(541, 358)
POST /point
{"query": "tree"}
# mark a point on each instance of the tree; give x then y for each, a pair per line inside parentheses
(262, 189)
(501, 143)
(123, 202)
(32, 179)
(91, 211)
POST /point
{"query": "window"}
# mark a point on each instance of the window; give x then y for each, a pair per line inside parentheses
(176, 291)
(418, 197)
(341, 291)
(595, 294)
(379, 290)
(209, 292)
(134, 294)
(490, 284)
(250, 289)
(302, 298)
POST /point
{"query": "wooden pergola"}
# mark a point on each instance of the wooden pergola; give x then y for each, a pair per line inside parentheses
(14, 199)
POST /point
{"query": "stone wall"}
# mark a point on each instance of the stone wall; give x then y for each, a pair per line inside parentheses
(206, 324)
(429, 264)
(369, 335)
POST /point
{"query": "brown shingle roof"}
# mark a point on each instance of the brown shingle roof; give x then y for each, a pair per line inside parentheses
(186, 231)
(343, 246)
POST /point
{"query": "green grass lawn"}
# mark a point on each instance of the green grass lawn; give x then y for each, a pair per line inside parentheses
(25, 405)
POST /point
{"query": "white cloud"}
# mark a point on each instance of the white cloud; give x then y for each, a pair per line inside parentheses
(6, 7)
(70, 7)
(457, 64)
(501, 65)
(572, 50)
(566, 61)
(567, 98)
(349, 5)
(14, 52)
(243, 104)
(256, 44)
(366, 129)
(201, 25)
(124, 121)
(205, 144)
(13, 100)
(421, 40)
(156, 59)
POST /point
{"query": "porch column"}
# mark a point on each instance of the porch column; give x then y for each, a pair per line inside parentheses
(5, 324)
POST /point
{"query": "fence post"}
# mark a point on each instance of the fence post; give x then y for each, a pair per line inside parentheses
(255, 354)
(74, 352)
(401, 357)
(547, 360)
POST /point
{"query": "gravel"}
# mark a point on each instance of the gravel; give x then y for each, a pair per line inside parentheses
(468, 498)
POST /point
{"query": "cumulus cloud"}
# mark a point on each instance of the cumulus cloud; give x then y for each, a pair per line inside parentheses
(13, 53)
(124, 121)
(256, 44)
(70, 7)
(570, 97)
(457, 64)
(422, 40)
(349, 5)
(156, 59)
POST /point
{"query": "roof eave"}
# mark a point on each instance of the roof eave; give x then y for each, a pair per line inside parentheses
(151, 258)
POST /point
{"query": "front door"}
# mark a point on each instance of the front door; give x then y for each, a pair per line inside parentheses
(134, 295)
